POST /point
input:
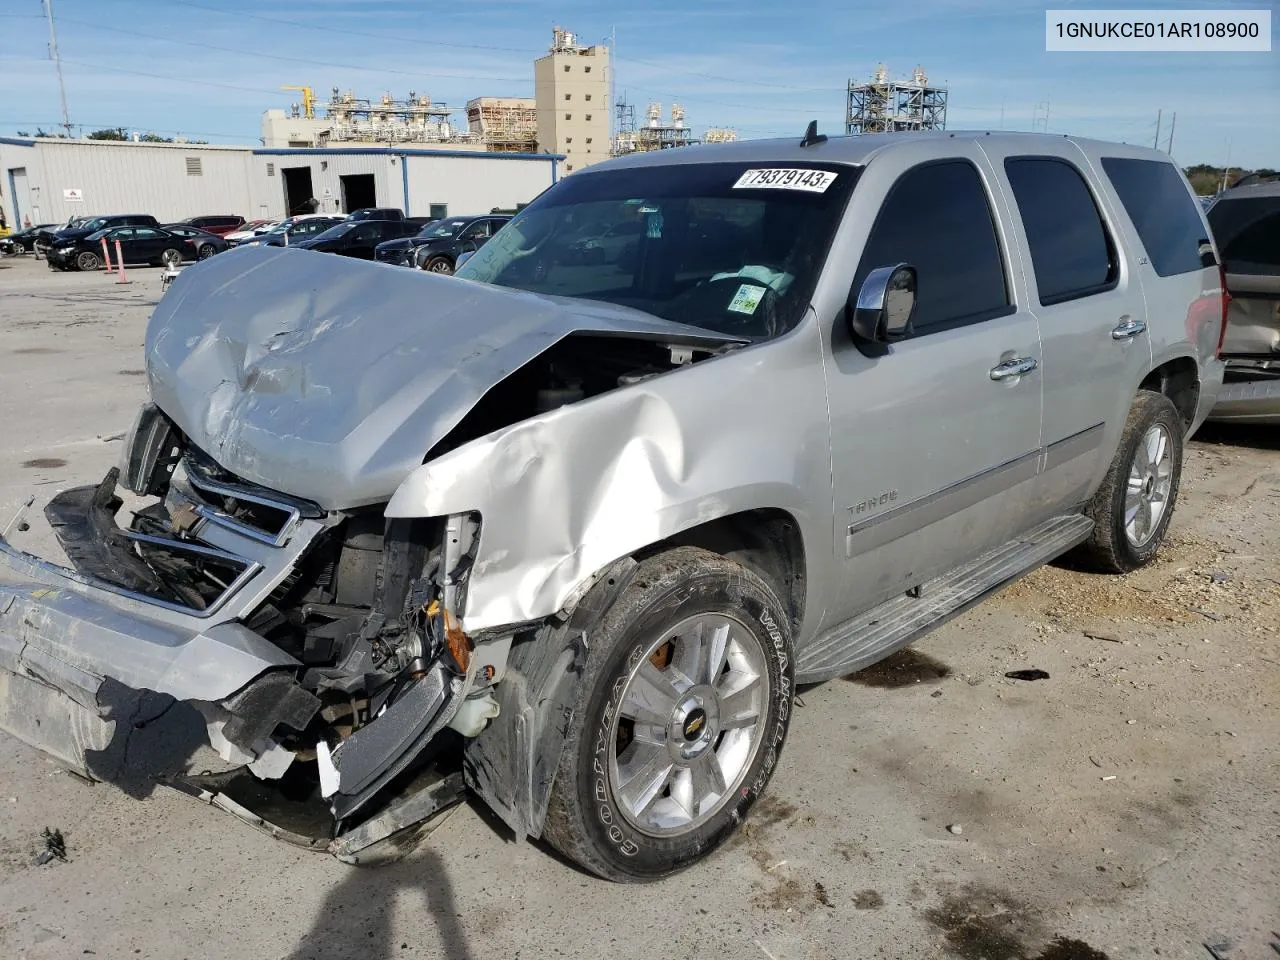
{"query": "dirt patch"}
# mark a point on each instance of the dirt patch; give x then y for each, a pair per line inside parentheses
(1191, 580)
(867, 900)
(131, 373)
(903, 669)
(38, 351)
(982, 923)
(820, 894)
(1063, 949)
(44, 463)
(769, 812)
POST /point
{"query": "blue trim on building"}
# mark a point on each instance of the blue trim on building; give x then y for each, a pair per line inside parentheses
(404, 182)
(13, 198)
(376, 151)
(17, 142)
(555, 172)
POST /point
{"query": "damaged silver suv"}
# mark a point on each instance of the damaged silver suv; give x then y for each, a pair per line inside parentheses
(566, 531)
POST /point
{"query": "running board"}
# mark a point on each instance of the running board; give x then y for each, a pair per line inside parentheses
(891, 625)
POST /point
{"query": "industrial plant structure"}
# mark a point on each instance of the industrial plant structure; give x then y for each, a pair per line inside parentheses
(886, 106)
(504, 123)
(568, 115)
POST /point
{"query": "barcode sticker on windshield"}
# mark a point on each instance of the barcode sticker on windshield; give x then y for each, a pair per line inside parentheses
(786, 178)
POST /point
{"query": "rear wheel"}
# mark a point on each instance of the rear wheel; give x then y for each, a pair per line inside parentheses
(438, 265)
(88, 261)
(681, 715)
(171, 258)
(1133, 507)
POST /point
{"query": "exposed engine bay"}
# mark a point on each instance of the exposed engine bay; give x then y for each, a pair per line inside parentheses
(387, 687)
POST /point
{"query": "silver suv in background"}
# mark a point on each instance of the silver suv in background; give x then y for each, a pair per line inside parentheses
(1246, 226)
(567, 530)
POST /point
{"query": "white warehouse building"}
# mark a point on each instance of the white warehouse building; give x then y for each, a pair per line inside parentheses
(49, 180)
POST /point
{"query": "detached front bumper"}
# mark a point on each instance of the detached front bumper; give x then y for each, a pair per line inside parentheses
(83, 660)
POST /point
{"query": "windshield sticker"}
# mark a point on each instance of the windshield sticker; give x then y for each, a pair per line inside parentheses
(786, 178)
(746, 299)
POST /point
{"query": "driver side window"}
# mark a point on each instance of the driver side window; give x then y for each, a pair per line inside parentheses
(937, 218)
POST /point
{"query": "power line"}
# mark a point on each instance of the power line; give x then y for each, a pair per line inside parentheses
(278, 56)
(343, 31)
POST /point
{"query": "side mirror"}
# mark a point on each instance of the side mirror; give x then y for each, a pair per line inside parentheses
(881, 312)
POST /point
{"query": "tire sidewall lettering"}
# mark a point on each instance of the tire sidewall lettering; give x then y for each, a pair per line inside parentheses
(613, 831)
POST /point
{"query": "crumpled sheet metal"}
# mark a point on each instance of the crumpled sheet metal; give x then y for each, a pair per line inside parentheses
(566, 493)
(331, 378)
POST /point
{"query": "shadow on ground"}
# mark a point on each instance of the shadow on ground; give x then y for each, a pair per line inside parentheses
(1238, 435)
(357, 919)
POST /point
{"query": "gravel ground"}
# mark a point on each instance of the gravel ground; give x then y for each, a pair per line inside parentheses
(1125, 807)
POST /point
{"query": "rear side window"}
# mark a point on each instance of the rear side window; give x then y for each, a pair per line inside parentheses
(938, 219)
(1248, 234)
(1162, 211)
(1071, 251)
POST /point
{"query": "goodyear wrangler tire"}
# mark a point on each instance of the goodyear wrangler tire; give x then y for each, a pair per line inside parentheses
(681, 716)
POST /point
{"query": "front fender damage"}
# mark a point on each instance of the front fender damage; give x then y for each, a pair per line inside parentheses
(512, 764)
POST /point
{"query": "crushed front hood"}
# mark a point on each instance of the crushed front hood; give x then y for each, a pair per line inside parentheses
(330, 378)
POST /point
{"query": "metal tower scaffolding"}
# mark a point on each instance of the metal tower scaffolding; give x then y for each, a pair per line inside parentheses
(415, 119)
(884, 105)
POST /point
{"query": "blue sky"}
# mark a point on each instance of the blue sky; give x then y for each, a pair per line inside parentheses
(209, 68)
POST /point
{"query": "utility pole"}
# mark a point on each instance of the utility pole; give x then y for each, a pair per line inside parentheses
(1172, 124)
(1155, 144)
(57, 64)
(613, 73)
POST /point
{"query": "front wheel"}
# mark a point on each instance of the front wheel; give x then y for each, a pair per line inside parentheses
(88, 261)
(681, 715)
(1132, 509)
(206, 251)
(438, 265)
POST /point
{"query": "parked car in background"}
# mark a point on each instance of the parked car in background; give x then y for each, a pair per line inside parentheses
(357, 238)
(376, 213)
(1246, 227)
(205, 244)
(250, 230)
(138, 244)
(221, 225)
(439, 245)
(26, 239)
(289, 232)
(80, 227)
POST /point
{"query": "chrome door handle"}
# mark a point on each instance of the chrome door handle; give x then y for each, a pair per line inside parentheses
(1013, 368)
(1128, 328)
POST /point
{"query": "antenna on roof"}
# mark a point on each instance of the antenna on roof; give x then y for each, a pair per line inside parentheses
(811, 135)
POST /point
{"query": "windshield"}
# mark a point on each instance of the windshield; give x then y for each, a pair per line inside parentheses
(735, 248)
(95, 224)
(336, 231)
(441, 229)
(98, 235)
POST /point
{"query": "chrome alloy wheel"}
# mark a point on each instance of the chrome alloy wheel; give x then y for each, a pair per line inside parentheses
(689, 724)
(1150, 480)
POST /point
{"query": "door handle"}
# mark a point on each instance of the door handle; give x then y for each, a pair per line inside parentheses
(1013, 368)
(1128, 328)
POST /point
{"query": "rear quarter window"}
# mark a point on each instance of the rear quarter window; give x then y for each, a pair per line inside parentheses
(1162, 210)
